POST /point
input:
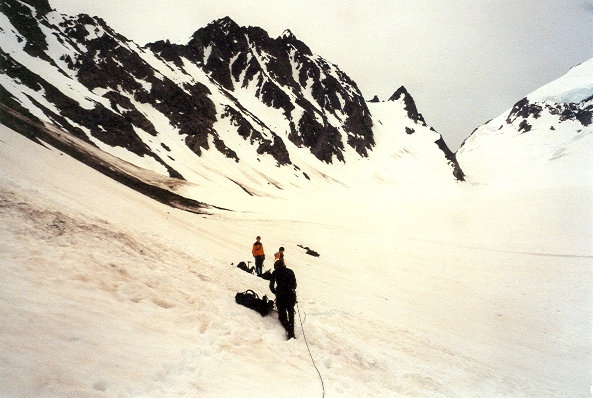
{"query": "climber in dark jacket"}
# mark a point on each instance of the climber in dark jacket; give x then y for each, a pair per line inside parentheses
(283, 285)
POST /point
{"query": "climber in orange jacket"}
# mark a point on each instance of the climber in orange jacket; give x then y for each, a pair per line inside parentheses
(258, 254)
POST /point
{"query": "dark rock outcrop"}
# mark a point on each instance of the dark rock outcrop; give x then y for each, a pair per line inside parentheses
(524, 109)
(236, 57)
(409, 104)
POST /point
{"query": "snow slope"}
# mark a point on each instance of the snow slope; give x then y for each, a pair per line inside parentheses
(546, 139)
(420, 290)
(574, 87)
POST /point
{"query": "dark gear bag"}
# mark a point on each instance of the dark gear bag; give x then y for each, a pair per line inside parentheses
(266, 275)
(245, 268)
(250, 299)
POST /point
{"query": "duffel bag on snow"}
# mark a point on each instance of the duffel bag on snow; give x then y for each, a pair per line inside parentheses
(245, 268)
(250, 299)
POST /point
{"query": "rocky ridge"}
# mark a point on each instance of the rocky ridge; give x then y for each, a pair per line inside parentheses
(230, 89)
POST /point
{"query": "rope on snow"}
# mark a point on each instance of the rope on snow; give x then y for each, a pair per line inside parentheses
(308, 349)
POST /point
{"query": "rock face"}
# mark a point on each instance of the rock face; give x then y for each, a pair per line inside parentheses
(230, 90)
(581, 111)
(320, 103)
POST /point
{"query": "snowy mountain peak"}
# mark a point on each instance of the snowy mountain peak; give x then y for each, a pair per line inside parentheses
(230, 104)
(545, 139)
(322, 108)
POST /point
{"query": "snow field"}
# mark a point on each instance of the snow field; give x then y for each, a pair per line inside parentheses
(539, 159)
(451, 290)
(66, 310)
(576, 86)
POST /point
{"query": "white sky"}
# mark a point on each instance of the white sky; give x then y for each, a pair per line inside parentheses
(463, 61)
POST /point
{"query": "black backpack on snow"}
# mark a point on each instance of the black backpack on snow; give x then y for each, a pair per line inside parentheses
(250, 299)
(245, 268)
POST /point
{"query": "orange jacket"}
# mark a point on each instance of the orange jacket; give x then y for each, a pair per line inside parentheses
(258, 249)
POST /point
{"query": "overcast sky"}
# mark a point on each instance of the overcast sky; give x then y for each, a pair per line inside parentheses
(463, 61)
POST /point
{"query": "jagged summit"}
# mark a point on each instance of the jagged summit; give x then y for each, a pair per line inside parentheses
(287, 34)
(401, 91)
(323, 107)
(225, 22)
(410, 105)
(220, 30)
(289, 38)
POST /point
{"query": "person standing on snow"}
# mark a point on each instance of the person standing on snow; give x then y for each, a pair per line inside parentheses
(283, 284)
(279, 256)
(258, 254)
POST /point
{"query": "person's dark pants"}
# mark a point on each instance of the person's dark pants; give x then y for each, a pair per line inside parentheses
(285, 305)
(259, 263)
